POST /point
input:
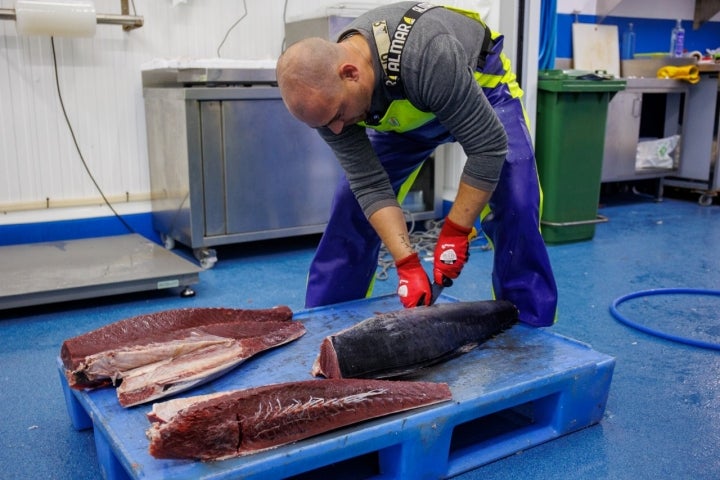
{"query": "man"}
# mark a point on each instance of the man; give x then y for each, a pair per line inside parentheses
(401, 80)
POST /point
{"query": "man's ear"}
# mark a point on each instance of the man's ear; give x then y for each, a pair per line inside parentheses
(348, 71)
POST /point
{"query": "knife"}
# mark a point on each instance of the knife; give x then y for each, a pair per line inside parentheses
(437, 288)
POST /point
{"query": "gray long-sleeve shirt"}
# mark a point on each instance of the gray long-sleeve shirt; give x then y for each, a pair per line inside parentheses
(437, 68)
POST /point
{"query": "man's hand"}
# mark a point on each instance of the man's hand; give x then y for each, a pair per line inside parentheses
(451, 252)
(414, 285)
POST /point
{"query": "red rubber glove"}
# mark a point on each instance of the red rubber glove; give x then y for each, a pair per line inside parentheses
(414, 285)
(451, 252)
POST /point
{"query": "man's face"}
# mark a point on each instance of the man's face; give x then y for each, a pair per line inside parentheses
(348, 107)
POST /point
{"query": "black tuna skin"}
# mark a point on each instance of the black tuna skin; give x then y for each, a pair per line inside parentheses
(401, 342)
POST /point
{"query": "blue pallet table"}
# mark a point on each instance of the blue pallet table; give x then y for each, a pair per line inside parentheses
(524, 387)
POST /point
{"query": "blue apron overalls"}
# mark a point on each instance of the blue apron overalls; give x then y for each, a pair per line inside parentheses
(345, 262)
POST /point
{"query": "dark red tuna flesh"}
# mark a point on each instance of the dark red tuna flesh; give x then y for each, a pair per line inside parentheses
(242, 422)
(157, 355)
(156, 326)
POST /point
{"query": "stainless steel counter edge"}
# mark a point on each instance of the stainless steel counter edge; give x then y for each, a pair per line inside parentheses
(186, 77)
(658, 85)
(254, 92)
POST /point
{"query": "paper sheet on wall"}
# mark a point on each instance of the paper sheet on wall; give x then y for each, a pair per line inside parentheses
(596, 47)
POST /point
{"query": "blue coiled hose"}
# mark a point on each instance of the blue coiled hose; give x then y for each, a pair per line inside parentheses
(663, 291)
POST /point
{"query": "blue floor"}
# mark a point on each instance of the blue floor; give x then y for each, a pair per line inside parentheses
(663, 414)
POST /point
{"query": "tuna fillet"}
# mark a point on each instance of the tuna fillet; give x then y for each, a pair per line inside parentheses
(242, 422)
(404, 341)
(168, 352)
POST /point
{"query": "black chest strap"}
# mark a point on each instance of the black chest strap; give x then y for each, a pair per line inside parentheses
(390, 49)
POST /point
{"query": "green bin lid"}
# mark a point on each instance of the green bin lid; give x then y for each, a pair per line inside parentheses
(578, 81)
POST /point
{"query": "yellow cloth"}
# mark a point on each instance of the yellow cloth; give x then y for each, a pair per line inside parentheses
(685, 72)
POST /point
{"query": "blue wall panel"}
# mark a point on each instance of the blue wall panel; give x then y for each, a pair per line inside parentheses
(652, 35)
(75, 229)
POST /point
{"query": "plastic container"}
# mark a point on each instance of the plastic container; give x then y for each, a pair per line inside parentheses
(628, 44)
(677, 40)
(570, 138)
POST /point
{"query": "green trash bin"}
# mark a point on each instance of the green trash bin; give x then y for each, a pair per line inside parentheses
(569, 140)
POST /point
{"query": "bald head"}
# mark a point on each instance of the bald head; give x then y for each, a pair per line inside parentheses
(327, 84)
(307, 67)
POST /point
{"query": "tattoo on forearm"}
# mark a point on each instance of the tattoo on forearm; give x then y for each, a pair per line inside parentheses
(405, 241)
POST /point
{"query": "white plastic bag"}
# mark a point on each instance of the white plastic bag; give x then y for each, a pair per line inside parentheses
(656, 153)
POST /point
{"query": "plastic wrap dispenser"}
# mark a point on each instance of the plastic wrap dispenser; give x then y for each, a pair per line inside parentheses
(71, 18)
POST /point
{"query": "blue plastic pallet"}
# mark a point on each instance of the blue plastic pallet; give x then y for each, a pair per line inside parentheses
(523, 388)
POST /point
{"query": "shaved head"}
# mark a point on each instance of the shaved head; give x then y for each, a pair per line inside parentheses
(308, 67)
(326, 84)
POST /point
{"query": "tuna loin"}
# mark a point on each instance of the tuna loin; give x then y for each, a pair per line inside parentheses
(164, 353)
(241, 422)
(402, 342)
